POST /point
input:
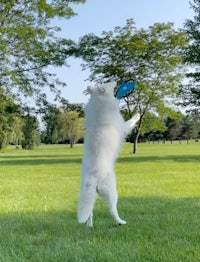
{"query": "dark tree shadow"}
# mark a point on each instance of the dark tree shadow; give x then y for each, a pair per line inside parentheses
(39, 159)
(155, 158)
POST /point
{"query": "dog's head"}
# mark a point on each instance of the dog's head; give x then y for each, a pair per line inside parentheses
(106, 89)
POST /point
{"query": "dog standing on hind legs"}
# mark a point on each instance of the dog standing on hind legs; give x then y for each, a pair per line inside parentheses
(105, 131)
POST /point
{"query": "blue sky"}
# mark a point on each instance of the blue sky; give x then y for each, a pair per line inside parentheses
(96, 16)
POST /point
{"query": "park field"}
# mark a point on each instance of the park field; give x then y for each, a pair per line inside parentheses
(159, 197)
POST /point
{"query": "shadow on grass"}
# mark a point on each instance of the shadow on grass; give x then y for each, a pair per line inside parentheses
(156, 226)
(175, 158)
(40, 159)
(62, 159)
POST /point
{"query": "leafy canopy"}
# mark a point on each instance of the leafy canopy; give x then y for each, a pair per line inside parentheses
(28, 43)
(192, 28)
(152, 57)
(191, 92)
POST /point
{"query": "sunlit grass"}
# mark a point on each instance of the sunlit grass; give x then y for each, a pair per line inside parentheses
(159, 196)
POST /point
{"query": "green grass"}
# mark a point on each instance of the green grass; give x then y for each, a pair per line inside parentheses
(159, 196)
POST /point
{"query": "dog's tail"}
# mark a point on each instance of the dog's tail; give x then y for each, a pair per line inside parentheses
(87, 198)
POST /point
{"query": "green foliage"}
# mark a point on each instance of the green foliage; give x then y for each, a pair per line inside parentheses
(9, 112)
(153, 123)
(62, 123)
(28, 43)
(17, 136)
(190, 128)
(152, 55)
(30, 132)
(159, 196)
(191, 92)
(192, 27)
(49, 114)
(178, 128)
(28, 46)
(71, 126)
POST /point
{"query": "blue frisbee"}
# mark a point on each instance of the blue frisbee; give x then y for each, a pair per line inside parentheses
(125, 89)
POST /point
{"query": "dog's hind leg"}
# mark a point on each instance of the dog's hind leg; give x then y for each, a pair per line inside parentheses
(113, 209)
(89, 221)
(109, 192)
(87, 199)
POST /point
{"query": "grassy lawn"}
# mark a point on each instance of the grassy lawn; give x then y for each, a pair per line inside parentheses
(159, 196)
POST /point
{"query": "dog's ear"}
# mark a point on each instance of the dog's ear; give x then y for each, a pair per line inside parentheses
(90, 89)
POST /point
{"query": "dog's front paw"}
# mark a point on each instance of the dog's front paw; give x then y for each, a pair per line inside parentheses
(136, 117)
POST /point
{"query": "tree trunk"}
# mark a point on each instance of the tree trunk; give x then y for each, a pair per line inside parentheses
(135, 143)
(137, 134)
(134, 147)
(71, 144)
(72, 141)
(1, 145)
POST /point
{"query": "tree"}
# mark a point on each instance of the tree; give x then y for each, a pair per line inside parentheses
(50, 114)
(16, 135)
(28, 43)
(71, 127)
(151, 57)
(28, 46)
(191, 91)
(30, 132)
(9, 110)
(174, 128)
(66, 106)
(190, 128)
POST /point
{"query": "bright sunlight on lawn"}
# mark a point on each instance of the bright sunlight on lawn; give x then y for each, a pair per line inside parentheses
(159, 196)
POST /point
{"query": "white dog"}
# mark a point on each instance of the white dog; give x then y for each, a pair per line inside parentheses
(105, 131)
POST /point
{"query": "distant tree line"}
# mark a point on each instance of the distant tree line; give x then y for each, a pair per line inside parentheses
(17, 125)
(64, 124)
(183, 128)
(50, 124)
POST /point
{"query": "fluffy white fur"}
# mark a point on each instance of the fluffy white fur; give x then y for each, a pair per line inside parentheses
(105, 131)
